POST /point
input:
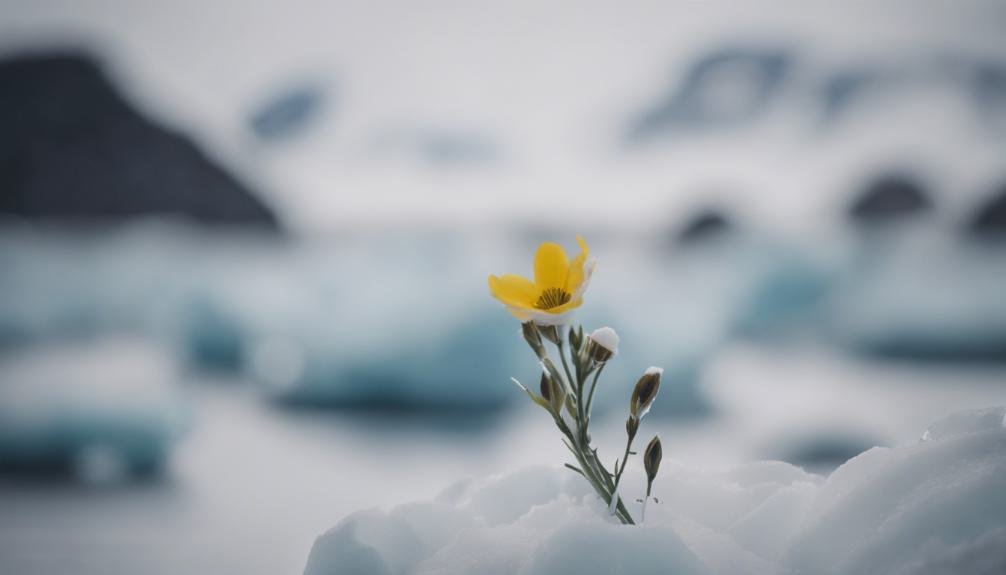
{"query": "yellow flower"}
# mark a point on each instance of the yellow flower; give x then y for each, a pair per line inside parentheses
(557, 288)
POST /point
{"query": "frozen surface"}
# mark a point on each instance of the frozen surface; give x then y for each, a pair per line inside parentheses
(101, 410)
(404, 317)
(919, 294)
(932, 506)
(399, 318)
(251, 486)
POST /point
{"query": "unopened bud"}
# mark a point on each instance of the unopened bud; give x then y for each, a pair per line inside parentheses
(651, 459)
(631, 427)
(550, 332)
(533, 338)
(546, 388)
(553, 392)
(602, 344)
(575, 338)
(645, 392)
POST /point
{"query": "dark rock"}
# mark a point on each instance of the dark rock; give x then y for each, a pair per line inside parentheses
(756, 74)
(990, 218)
(72, 148)
(706, 225)
(888, 198)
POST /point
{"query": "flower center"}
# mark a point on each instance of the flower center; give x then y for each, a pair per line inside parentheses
(552, 297)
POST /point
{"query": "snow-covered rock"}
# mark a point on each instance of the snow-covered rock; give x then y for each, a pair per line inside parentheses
(937, 506)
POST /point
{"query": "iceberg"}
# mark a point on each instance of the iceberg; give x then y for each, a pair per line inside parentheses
(99, 410)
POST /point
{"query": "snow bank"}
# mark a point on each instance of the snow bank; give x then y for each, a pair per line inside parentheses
(935, 506)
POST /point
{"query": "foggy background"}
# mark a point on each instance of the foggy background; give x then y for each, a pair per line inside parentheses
(244, 249)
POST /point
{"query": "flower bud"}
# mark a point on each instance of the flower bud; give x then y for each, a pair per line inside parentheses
(575, 338)
(553, 392)
(533, 338)
(631, 427)
(602, 344)
(645, 392)
(651, 459)
(546, 387)
(550, 332)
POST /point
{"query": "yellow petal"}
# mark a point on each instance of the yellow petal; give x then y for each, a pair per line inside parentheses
(551, 266)
(513, 290)
(576, 269)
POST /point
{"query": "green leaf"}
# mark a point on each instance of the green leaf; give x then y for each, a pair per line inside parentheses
(575, 468)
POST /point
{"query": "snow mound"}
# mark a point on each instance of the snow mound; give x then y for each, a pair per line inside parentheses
(933, 507)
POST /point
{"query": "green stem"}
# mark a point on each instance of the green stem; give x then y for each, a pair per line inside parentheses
(565, 365)
(591, 467)
(589, 472)
(593, 386)
(625, 457)
(583, 422)
(619, 470)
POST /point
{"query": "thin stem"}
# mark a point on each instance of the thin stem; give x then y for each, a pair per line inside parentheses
(589, 472)
(642, 516)
(565, 365)
(625, 458)
(591, 467)
(593, 386)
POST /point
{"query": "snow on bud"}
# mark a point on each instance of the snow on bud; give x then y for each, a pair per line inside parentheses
(645, 392)
(651, 460)
(602, 344)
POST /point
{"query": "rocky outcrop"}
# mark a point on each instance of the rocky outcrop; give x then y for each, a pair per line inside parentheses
(72, 147)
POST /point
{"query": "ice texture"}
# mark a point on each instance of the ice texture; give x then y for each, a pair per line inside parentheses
(102, 410)
(921, 296)
(331, 321)
(324, 321)
(936, 506)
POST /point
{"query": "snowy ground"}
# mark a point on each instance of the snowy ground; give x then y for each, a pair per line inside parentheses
(252, 485)
(932, 506)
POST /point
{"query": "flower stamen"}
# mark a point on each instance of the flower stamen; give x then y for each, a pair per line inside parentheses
(552, 297)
